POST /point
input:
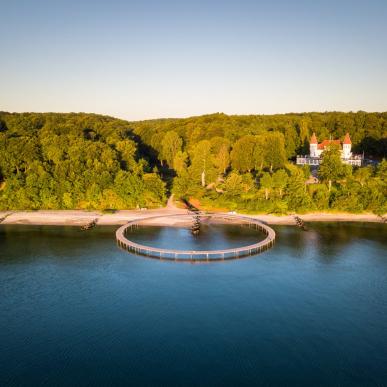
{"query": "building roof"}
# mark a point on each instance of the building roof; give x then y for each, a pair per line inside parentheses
(347, 139)
(325, 143)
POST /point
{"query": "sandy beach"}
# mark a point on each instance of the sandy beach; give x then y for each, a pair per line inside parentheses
(80, 217)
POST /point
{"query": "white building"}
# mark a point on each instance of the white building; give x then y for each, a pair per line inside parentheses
(316, 149)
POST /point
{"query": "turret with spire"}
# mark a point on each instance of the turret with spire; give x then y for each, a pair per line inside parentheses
(313, 146)
(317, 149)
(347, 144)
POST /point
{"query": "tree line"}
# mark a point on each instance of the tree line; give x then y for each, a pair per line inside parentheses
(254, 175)
(66, 161)
(368, 130)
(232, 162)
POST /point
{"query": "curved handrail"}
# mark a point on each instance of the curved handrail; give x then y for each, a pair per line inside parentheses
(172, 254)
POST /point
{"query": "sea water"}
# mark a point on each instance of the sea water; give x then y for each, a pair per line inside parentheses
(77, 310)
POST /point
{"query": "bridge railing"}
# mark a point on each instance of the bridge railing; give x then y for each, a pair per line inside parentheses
(197, 255)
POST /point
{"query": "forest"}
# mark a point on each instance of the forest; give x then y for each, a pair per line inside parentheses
(244, 163)
(67, 161)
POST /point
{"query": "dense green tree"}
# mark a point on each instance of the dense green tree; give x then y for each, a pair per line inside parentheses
(223, 159)
(320, 196)
(266, 183)
(95, 162)
(170, 146)
(182, 185)
(233, 185)
(362, 175)
(259, 152)
(275, 155)
(297, 197)
(331, 167)
(280, 180)
(291, 141)
(382, 170)
(221, 151)
(180, 162)
(73, 161)
(306, 171)
(242, 154)
(202, 162)
(127, 149)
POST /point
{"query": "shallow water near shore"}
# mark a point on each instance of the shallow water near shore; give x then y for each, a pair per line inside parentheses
(76, 310)
(210, 237)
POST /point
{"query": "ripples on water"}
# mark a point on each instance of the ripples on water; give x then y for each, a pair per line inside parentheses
(76, 310)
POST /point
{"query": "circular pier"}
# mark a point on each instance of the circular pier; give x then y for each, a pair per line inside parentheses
(123, 241)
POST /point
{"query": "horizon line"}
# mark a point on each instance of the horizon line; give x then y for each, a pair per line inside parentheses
(196, 115)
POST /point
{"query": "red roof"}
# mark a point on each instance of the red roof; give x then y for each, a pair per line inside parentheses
(325, 143)
(347, 139)
(313, 139)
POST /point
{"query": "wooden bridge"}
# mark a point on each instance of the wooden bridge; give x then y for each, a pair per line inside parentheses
(197, 255)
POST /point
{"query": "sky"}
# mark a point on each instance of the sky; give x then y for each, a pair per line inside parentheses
(150, 59)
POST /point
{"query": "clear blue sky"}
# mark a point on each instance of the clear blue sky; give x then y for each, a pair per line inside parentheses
(147, 59)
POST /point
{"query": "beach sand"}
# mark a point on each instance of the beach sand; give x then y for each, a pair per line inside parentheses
(80, 217)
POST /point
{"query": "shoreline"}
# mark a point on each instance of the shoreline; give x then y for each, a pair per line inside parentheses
(81, 217)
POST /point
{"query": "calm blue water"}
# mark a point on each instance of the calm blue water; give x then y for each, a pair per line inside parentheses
(75, 310)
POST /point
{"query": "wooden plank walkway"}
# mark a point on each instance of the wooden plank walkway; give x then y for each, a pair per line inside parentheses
(197, 255)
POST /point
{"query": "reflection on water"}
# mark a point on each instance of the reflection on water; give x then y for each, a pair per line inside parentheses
(76, 310)
(329, 240)
(211, 237)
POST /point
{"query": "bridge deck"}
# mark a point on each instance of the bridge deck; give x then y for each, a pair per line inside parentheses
(197, 255)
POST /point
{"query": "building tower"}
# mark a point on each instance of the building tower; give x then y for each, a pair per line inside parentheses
(347, 144)
(313, 146)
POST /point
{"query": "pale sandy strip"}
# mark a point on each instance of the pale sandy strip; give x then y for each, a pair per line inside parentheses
(79, 217)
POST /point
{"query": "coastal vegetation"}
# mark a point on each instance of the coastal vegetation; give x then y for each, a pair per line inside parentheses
(244, 163)
(66, 161)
